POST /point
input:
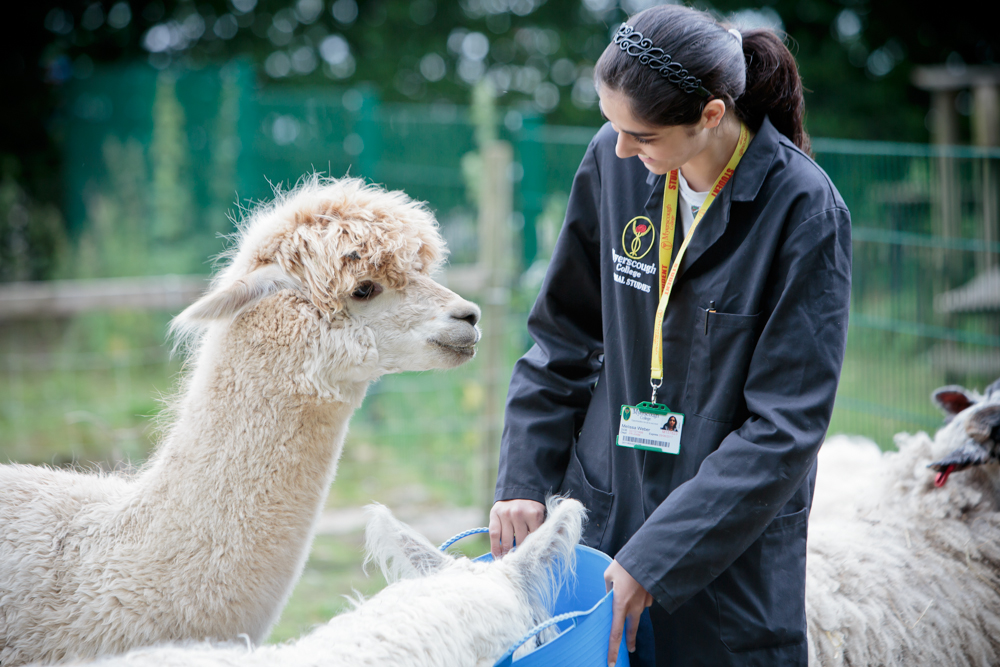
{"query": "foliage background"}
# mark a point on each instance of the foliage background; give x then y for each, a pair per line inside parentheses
(855, 57)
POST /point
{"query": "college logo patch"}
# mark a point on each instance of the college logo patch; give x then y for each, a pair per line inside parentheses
(638, 237)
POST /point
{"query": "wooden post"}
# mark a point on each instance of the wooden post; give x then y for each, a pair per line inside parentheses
(496, 260)
(948, 200)
(986, 133)
(986, 114)
(949, 195)
(943, 82)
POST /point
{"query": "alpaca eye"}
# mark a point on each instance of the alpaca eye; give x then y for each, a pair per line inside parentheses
(366, 291)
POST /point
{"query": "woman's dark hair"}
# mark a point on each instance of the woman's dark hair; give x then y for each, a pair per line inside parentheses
(761, 79)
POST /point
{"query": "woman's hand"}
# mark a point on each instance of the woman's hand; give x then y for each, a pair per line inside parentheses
(513, 519)
(630, 601)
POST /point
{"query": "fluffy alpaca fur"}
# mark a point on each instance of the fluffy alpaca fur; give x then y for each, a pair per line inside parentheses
(444, 612)
(901, 572)
(326, 289)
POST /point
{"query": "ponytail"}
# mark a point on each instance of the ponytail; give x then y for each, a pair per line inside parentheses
(773, 87)
(758, 79)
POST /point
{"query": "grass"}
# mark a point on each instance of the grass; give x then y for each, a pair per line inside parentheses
(87, 390)
(333, 571)
(886, 386)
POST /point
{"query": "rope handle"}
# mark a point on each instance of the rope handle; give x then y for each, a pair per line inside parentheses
(456, 538)
(542, 626)
(464, 534)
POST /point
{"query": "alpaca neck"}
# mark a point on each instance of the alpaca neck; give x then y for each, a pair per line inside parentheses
(243, 474)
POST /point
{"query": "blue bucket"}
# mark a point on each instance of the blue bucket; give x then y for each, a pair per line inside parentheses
(582, 612)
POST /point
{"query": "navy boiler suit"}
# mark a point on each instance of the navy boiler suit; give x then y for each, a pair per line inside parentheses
(717, 533)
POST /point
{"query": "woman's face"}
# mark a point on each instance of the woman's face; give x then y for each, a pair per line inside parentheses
(661, 148)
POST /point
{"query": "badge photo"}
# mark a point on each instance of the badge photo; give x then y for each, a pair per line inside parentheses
(651, 428)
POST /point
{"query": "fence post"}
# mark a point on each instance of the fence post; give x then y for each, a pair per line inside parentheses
(986, 133)
(496, 260)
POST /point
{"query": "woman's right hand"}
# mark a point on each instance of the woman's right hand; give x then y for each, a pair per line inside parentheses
(513, 520)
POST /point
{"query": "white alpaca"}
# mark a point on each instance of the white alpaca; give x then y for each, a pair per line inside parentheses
(326, 290)
(901, 572)
(446, 612)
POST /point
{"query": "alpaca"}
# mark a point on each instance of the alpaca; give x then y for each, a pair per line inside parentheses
(903, 567)
(326, 289)
(443, 612)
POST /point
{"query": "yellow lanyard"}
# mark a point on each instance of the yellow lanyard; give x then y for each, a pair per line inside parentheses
(667, 223)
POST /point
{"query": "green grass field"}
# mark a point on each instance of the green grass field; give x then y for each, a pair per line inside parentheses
(333, 572)
(88, 390)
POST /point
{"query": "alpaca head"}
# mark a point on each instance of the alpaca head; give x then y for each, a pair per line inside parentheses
(971, 435)
(331, 282)
(499, 601)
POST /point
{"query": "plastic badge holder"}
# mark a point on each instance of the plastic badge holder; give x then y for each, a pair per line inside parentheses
(583, 612)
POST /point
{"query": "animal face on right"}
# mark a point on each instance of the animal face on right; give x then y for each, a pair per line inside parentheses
(972, 427)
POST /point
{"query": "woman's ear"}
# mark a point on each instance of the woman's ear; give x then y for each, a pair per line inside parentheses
(713, 113)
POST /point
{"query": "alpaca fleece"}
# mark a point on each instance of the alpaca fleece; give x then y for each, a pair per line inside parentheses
(325, 290)
(438, 612)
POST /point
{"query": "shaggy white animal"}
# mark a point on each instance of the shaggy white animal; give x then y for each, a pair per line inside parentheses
(901, 572)
(444, 612)
(326, 289)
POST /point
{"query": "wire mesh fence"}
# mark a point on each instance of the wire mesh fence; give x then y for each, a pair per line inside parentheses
(153, 160)
(924, 309)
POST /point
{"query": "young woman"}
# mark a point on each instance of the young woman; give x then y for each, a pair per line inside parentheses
(747, 292)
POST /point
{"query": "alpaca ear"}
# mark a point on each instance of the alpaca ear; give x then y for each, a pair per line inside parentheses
(232, 299)
(547, 555)
(953, 399)
(398, 550)
(993, 388)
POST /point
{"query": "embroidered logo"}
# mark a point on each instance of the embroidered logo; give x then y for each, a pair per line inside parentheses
(638, 237)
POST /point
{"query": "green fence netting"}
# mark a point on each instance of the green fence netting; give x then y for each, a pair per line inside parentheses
(157, 165)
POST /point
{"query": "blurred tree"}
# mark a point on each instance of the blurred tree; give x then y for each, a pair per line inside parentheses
(855, 55)
(225, 148)
(32, 237)
(172, 210)
(115, 240)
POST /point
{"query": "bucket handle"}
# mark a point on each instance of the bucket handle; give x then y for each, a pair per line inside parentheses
(471, 531)
(456, 538)
(542, 626)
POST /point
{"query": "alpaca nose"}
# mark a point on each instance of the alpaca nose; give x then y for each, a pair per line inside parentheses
(466, 311)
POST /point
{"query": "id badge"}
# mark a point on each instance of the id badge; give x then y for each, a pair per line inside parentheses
(650, 426)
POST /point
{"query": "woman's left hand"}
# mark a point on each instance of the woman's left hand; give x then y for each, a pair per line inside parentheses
(629, 602)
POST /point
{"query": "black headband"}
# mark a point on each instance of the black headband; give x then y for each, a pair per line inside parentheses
(633, 43)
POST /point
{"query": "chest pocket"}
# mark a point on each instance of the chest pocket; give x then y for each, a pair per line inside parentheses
(721, 347)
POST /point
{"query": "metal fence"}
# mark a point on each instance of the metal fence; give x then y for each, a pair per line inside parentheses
(926, 295)
(152, 162)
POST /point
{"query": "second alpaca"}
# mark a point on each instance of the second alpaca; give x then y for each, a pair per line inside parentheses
(440, 612)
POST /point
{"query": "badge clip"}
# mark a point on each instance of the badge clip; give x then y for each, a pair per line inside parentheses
(652, 400)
